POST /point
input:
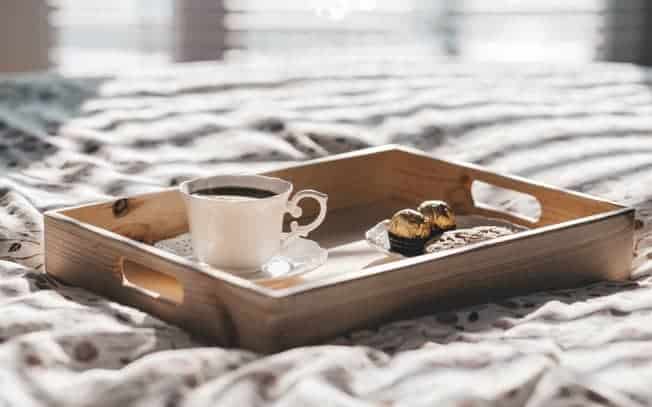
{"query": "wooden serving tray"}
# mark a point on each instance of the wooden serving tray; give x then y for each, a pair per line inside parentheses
(108, 248)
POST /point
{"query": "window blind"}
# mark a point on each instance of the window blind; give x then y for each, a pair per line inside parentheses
(137, 32)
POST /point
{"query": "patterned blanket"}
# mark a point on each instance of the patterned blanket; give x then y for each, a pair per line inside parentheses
(67, 141)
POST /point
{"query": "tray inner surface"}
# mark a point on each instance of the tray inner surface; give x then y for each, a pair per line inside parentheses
(347, 252)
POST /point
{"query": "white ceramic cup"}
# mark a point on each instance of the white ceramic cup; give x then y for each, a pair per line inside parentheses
(243, 233)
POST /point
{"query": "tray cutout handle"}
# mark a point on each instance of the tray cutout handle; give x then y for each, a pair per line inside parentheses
(152, 283)
(520, 206)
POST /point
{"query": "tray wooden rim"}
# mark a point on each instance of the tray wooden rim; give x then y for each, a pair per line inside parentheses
(374, 270)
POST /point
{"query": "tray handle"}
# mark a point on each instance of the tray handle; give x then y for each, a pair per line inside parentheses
(508, 184)
(155, 284)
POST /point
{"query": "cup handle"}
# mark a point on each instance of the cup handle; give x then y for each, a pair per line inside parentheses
(295, 210)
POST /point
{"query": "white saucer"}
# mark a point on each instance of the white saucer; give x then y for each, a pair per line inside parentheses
(299, 257)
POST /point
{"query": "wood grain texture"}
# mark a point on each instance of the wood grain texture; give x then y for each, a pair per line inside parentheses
(148, 217)
(577, 239)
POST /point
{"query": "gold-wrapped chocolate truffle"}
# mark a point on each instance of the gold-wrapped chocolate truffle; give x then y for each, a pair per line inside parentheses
(408, 232)
(438, 214)
(410, 224)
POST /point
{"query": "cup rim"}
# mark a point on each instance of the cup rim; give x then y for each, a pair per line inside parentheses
(184, 188)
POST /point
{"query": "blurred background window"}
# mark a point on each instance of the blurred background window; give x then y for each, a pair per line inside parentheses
(102, 36)
(99, 36)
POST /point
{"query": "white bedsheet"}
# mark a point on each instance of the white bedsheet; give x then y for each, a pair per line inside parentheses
(66, 141)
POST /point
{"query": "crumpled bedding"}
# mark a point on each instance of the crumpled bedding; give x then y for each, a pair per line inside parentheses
(66, 141)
